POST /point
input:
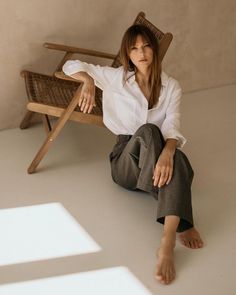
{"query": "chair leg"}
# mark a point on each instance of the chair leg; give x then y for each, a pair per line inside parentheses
(26, 120)
(46, 123)
(55, 131)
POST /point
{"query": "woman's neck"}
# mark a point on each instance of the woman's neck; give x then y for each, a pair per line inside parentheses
(142, 76)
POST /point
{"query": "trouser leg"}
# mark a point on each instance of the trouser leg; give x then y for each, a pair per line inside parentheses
(133, 158)
(175, 198)
(133, 161)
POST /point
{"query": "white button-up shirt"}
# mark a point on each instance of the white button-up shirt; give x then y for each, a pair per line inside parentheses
(125, 108)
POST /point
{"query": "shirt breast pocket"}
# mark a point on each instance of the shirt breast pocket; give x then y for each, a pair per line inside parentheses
(125, 108)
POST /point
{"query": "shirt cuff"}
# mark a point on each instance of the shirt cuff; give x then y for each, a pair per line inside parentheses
(176, 135)
(73, 66)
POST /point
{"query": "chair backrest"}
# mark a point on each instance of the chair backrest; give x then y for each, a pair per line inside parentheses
(164, 39)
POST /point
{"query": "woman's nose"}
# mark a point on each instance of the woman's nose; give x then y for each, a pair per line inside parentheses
(141, 50)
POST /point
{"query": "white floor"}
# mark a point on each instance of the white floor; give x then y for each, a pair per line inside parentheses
(76, 174)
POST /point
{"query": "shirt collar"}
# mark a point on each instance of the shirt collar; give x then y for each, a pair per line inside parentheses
(164, 78)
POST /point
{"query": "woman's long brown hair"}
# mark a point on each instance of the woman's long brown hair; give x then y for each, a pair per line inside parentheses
(128, 41)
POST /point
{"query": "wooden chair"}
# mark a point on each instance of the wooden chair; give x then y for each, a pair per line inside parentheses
(58, 95)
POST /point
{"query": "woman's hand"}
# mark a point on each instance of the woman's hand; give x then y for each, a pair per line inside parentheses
(87, 98)
(164, 168)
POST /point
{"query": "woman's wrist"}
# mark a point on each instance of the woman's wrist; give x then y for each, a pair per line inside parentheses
(170, 146)
(89, 80)
(83, 76)
(168, 152)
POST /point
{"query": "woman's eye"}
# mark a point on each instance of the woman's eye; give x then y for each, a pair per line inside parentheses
(147, 45)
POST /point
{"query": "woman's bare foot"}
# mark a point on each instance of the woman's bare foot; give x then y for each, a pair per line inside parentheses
(191, 238)
(165, 265)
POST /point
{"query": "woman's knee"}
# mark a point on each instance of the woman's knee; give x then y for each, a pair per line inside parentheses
(181, 159)
(151, 130)
(149, 126)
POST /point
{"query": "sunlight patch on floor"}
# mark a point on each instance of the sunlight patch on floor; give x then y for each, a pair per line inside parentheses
(115, 281)
(41, 232)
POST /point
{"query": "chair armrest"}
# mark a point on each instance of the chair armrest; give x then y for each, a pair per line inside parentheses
(78, 50)
(61, 75)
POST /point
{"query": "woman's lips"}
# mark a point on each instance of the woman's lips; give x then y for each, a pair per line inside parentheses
(143, 59)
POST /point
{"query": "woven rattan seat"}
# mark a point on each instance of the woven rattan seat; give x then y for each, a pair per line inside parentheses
(51, 91)
(58, 95)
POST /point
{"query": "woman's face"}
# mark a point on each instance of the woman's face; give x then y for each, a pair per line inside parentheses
(141, 54)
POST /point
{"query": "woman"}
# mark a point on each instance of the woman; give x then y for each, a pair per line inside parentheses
(141, 105)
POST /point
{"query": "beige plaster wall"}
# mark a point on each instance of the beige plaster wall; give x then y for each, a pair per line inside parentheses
(202, 53)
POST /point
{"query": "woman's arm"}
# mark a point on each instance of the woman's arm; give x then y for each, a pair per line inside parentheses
(82, 76)
(91, 75)
(103, 76)
(170, 129)
(171, 125)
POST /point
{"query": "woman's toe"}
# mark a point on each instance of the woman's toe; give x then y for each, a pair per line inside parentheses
(200, 243)
(167, 277)
(196, 244)
(191, 244)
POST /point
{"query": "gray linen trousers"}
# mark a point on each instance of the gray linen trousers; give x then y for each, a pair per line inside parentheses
(133, 161)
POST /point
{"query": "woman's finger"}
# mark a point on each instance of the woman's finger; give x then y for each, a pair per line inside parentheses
(86, 106)
(81, 98)
(157, 176)
(164, 177)
(89, 105)
(83, 104)
(170, 176)
(92, 105)
(90, 108)
(87, 110)
(162, 181)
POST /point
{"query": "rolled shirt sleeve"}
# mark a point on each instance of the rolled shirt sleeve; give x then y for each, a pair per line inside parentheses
(102, 75)
(171, 125)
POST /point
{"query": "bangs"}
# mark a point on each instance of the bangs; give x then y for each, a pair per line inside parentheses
(131, 40)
